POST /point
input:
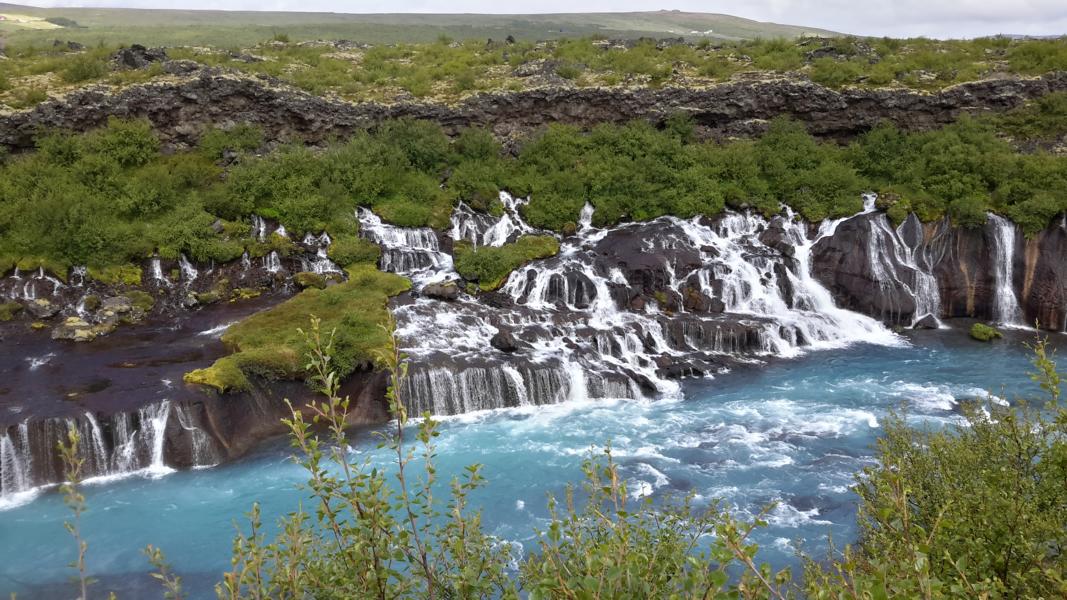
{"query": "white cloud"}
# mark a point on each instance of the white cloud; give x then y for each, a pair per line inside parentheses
(947, 18)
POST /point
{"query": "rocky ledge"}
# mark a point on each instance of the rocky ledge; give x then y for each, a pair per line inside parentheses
(193, 97)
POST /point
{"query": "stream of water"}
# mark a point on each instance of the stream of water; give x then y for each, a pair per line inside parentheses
(790, 431)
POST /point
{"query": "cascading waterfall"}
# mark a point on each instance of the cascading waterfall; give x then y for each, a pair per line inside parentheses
(1006, 311)
(410, 251)
(157, 271)
(484, 230)
(127, 443)
(16, 466)
(887, 250)
(272, 263)
(189, 272)
(576, 340)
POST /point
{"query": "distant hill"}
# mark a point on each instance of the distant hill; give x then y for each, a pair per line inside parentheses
(230, 28)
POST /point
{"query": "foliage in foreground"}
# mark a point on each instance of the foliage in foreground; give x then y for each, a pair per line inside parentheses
(975, 510)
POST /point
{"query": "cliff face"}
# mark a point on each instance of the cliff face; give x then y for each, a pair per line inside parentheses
(876, 269)
(181, 107)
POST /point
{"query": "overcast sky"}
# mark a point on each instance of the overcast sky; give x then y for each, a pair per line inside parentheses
(934, 18)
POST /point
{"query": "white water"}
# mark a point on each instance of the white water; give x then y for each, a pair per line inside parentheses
(592, 348)
(1006, 311)
(189, 272)
(888, 252)
(484, 230)
(411, 251)
(272, 263)
(157, 272)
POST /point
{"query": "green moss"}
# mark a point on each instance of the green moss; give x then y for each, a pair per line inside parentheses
(55, 267)
(269, 344)
(141, 300)
(347, 250)
(117, 275)
(490, 266)
(208, 297)
(8, 310)
(92, 302)
(984, 333)
(306, 279)
(245, 293)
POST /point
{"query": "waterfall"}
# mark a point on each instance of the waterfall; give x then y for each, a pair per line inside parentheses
(281, 232)
(888, 254)
(189, 272)
(77, 276)
(203, 452)
(272, 262)
(154, 423)
(156, 266)
(246, 262)
(573, 335)
(411, 251)
(15, 464)
(259, 228)
(1006, 311)
(484, 230)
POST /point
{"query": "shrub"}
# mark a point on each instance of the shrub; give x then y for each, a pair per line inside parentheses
(490, 266)
(83, 68)
(984, 333)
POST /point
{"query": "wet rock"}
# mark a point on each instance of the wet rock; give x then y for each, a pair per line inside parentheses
(448, 290)
(42, 309)
(79, 330)
(695, 300)
(715, 305)
(504, 341)
(138, 57)
(927, 322)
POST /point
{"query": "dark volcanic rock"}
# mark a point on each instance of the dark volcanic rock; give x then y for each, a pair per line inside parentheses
(504, 341)
(927, 322)
(181, 109)
(138, 57)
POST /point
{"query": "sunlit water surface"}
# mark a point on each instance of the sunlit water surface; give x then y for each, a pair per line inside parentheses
(790, 432)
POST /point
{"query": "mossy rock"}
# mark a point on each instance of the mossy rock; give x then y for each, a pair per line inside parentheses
(117, 275)
(54, 267)
(984, 333)
(91, 302)
(207, 297)
(307, 279)
(8, 310)
(141, 300)
(270, 345)
(245, 294)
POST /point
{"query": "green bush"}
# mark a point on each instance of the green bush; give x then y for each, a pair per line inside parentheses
(348, 250)
(490, 266)
(984, 333)
(84, 68)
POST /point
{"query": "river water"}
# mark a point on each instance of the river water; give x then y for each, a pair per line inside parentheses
(791, 432)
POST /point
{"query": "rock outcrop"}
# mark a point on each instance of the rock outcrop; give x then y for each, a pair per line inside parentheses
(195, 97)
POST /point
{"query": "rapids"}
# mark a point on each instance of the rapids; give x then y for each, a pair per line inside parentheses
(790, 431)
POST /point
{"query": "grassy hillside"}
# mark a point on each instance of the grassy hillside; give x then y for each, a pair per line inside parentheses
(229, 28)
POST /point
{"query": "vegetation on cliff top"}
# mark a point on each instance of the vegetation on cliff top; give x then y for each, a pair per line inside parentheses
(447, 70)
(269, 344)
(111, 196)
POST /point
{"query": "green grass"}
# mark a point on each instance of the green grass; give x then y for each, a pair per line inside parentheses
(270, 345)
(490, 266)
